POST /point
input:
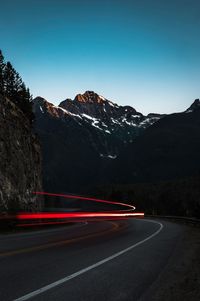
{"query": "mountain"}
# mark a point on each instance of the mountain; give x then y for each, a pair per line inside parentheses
(122, 122)
(80, 137)
(152, 160)
(167, 150)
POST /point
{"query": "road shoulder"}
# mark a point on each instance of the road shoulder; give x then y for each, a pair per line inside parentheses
(180, 279)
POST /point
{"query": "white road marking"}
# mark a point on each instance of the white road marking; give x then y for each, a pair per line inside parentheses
(91, 267)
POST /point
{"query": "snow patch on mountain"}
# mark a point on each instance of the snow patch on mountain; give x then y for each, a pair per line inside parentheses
(67, 112)
(108, 156)
(102, 97)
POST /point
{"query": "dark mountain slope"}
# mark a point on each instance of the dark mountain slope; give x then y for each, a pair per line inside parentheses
(167, 150)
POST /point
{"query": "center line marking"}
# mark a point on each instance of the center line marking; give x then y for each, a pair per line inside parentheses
(58, 243)
(91, 267)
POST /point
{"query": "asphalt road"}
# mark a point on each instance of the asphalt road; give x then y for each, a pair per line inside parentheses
(116, 260)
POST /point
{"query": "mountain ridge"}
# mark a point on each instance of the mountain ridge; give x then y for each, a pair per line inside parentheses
(85, 138)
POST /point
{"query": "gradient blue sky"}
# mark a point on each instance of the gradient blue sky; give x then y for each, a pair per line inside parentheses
(144, 53)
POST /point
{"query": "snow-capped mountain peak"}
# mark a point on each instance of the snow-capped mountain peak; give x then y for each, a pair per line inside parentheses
(90, 97)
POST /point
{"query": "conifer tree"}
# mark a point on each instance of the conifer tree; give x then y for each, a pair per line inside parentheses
(12, 86)
(9, 77)
(2, 67)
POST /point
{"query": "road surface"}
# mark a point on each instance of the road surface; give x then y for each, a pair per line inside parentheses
(107, 260)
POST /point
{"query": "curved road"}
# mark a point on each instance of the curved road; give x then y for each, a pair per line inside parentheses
(108, 260)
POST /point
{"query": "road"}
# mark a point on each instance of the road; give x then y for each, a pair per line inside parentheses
(107, 260)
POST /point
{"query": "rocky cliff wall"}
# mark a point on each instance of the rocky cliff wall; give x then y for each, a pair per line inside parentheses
(20, 160)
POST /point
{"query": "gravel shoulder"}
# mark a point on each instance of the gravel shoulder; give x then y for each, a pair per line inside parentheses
(180, 279)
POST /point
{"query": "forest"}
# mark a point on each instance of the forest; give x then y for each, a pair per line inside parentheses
(13, 87)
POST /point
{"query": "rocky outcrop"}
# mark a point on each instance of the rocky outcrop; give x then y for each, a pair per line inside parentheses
(20, 160)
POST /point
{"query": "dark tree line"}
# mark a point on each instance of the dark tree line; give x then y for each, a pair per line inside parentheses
(180, 197)
(13, 87)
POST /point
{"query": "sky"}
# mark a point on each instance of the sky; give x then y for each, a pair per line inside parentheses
(143, 53)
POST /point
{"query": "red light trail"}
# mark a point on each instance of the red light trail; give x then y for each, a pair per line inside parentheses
(48, 218)
(47, 215)
(68, 196)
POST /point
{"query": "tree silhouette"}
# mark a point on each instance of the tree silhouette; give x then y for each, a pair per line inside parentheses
(12, 86)
(9, 78)
(2, 66)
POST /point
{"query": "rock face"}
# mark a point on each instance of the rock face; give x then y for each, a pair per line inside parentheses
(20, 164)
(80, 137)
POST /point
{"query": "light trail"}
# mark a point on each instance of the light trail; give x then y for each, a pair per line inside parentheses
(47, 215)
(68, 196)
(26, 219)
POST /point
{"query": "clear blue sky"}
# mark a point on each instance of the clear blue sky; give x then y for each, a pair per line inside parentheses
(145, 53)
